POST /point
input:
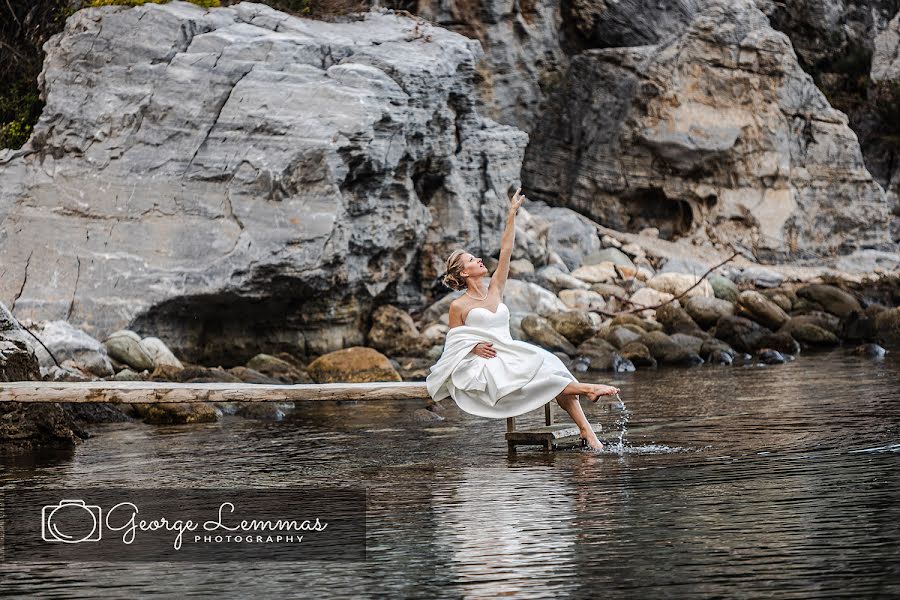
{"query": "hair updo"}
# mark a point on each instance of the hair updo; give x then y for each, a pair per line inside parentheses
(453, 279)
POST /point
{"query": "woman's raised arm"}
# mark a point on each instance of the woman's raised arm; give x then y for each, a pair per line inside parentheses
(498, 279)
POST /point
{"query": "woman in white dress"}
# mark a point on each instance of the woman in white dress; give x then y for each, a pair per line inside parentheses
(485, 370)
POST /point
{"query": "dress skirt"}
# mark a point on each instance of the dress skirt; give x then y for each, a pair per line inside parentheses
(549, 380)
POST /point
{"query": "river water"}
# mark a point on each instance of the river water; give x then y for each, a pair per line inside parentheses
(777, 481)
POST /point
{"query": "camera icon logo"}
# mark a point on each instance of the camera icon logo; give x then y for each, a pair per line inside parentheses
(71, 522)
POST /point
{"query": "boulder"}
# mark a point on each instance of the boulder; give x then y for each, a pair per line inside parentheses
(125, 346)
(553, 278)
(276, 368)
(394, 332)
(603, 356)
(780, 341)
(665, 350)
(706, 311)
(724, 288)
(649, 297)
(582, 300)
(831, 298)
(541, 332)
(575, 325)
(67, 342)
(620, 336)
(688, 342)
(638, 354)
(810, 333)
(609, 255)
(252, 376)
(604, 272)
(887, 325)
(681, 283)
(762, 310)
(740, 333)
(357, 364)
(159, 352)
(177, 413)
(675, 319)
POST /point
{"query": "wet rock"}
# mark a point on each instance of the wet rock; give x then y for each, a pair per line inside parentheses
(811, 334)
(620, 336)
(575, 325)
(762, 310)
(604, 272)
(770, 357)
(276, 368)
(540, 331)
(675, 319)
(859, 327)
(780, 341)
(667, 351)
(394, 332)
(252, 376)
(724, 288)
(262, 411)
(870, 350)
(887, 323)
(17, 363)
(688, 342)
(833, 299)
(98, 412)
(357, 364)
(125, 346)
(740, 333)
(603, 356)
(423, 415)
(177, 413)
(714, 351)
(24, 426)
(638, 354)
(706, 311)
(681, 283)
(824, 320)
(584, 300)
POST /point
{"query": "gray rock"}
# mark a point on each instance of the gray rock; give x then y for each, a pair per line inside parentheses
(125, 347)
(740, 333)
(706, 311)
(603, 356)
(638, 354)
(688, 342)
(724, 288)
(571, 235)
(832, 299)
(636, 140)
(575, 325)
(540, 331)
(761, 309)
(760, 277)
(225, 168)
(620, 336)
(613, 255)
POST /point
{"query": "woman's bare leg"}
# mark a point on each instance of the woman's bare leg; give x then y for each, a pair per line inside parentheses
(570, 404)
(591, 390)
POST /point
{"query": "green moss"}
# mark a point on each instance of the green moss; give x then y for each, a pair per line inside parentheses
(20, 107)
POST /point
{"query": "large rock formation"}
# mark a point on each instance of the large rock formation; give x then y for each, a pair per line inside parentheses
(238, 180)
(716, 133)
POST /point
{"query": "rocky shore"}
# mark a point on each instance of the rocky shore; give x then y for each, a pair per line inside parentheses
(600, 304)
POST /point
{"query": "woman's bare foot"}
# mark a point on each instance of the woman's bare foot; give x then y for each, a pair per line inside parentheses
(590, 438)
(598, 390)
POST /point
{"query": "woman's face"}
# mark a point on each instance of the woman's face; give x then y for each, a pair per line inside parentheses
(472, 266)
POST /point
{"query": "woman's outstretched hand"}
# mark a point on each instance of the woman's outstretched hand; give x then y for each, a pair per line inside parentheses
(516, 201)
(484, 350)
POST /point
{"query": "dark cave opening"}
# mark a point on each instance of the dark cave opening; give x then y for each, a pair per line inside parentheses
(650, 207)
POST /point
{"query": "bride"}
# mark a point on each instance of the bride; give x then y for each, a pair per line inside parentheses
(485, 370)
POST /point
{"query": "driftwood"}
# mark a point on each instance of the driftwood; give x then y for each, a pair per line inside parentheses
(157, 392)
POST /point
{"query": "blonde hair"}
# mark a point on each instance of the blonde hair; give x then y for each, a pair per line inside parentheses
(452, 279)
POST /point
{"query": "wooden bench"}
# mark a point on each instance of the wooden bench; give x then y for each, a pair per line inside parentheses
(551, 436)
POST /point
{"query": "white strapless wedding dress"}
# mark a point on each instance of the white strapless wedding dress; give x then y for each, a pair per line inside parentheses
(519, 379)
